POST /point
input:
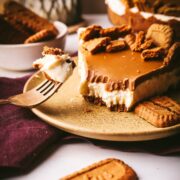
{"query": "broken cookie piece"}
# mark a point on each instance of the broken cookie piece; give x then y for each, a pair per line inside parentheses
(153, 53)
(115, 46)
(130, 39)
(96, 45)
(52, 51)
(138, 43)
(139, 40)
(172, 54)
(147, 44)
(90, 32)
(115, 32)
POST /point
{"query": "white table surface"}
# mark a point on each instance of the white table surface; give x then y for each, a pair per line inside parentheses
(71, 157)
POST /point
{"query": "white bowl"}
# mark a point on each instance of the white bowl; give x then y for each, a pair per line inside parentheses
(20, 57)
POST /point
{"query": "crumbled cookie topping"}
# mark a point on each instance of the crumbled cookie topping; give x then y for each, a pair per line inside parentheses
(152, 45)
(91, 32)
(153, 53)
(116, 31)
(173, 53)
(96, 45)
(115, 46)
(52, 51)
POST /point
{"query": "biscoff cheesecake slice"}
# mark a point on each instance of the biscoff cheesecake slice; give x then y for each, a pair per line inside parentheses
(118, 68)
(55, 64)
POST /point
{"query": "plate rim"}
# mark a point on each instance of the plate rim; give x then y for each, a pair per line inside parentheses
(114, 136)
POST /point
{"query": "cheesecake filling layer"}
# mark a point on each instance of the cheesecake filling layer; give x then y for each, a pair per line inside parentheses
(144, 90)
(55, 66)
(118, 7)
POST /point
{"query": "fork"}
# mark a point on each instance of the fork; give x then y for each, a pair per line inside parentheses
(34, 96)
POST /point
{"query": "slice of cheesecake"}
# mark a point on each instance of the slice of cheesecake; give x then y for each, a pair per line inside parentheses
(119, 71)
(55, 64)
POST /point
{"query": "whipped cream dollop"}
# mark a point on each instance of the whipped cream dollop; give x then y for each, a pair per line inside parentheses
(56, 67)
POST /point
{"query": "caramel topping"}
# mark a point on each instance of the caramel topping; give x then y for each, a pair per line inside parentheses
(120, 65)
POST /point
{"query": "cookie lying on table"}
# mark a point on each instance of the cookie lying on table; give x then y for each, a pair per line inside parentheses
(106, 169)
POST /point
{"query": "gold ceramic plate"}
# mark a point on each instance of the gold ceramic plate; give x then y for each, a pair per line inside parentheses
(68, 111)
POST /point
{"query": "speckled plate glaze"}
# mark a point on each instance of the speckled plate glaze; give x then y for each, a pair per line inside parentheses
(68, 111)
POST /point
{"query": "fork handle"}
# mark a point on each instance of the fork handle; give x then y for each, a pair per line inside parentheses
(4, 101)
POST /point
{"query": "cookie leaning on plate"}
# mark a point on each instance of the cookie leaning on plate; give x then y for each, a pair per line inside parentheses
(105, 169)
(159, 111)
(119, 68)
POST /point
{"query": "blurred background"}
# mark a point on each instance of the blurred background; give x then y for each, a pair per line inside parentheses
(67, 11)
(93, 6)
(88, 6)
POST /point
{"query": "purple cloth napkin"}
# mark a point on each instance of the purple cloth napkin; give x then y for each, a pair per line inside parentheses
(24, 137)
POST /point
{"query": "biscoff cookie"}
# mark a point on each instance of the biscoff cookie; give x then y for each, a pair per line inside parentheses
(168, 103)
(153, 53)
(96, 45)
(139, 40)
(173, 53)
(115, 46)
(115, 32)
(9, 34)
(31, 24)
(147, 44)
(42, 35)
(162, 35)
(105, 169)
(26, 18)
(18, 26)
(160, 111)
(130, 39)
(90, 32)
